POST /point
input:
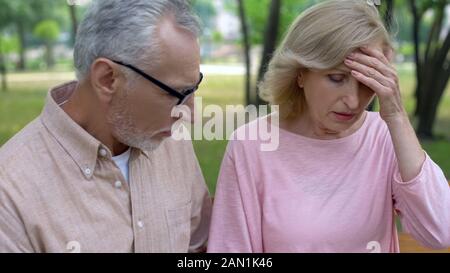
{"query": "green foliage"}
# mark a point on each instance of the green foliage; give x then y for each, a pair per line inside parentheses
(217, 37)
(8, 44)
(205, 10)
(406, 49)
(47, 30)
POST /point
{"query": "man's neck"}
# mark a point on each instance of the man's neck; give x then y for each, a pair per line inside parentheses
(85, 109)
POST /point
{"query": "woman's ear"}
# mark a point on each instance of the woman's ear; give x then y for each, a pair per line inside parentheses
(300, 79)
(389, 53)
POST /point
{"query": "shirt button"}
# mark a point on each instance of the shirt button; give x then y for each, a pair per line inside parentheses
(140, 224)
(117, 184)
(87, 171)
(102, 152)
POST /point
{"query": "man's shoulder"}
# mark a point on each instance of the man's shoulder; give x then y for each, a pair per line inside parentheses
(22, 146)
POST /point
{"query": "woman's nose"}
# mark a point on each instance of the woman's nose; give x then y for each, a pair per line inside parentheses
(351, 97)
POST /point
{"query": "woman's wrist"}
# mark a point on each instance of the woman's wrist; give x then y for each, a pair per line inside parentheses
(398, 119)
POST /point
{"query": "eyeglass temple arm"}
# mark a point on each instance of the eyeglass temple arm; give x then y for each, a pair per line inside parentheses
(153, 80)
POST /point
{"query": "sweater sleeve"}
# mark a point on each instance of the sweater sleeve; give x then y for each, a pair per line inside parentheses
(234, 226)
(423, 205)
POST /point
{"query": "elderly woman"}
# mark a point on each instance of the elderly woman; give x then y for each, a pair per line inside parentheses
(340, 173)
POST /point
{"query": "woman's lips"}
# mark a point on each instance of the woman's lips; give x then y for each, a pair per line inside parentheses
(344, 116)
(166, 133)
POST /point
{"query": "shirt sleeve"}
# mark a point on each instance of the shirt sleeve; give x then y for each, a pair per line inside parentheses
(200, 210)
(13, 236)
(235, 226)
(423, 205)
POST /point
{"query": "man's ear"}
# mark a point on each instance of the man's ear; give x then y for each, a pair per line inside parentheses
(106, 79)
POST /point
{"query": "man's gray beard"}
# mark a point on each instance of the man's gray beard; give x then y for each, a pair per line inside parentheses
(125, 131)
(129, 136)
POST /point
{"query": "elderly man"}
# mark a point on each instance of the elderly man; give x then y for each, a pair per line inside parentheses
(97, 171)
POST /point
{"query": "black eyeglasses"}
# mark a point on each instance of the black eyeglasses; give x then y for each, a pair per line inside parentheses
(182, 96)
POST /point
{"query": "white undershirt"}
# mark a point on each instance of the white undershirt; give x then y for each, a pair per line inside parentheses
(122, 162)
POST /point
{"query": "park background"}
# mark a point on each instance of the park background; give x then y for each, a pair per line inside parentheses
(239, 36)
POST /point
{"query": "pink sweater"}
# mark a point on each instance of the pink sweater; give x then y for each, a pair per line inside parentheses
(325, 196)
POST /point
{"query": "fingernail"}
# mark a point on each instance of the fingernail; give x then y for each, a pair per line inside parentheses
(351, 55)
(348, 61)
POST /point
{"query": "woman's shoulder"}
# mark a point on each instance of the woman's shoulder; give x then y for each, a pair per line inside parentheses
(256, 133)
(375, 123)
(377, 133)
(257, 129)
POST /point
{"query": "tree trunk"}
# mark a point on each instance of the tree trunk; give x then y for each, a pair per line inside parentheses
(49, 55)
(416, 39)
(246, 42)
(434, 78)
(388, 17)
(3, 72)
(73, 18)
(270, 40)
(435, 91)
(389, 14)
(22, 46)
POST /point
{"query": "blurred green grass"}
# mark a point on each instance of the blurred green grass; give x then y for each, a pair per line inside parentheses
(26, 97)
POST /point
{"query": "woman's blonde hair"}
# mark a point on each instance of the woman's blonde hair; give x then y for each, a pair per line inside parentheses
(320, 38)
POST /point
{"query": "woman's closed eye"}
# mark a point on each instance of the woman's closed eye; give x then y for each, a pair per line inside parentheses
(336, 78)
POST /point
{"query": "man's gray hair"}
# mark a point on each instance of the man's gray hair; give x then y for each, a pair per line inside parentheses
(125, 30)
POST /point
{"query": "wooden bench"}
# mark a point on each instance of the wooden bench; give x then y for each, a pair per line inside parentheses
(409, 245)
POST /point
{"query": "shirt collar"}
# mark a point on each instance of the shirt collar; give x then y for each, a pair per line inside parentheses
(78, 143)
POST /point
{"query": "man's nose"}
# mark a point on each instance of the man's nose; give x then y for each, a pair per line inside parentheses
(185, 111)
(191, 104)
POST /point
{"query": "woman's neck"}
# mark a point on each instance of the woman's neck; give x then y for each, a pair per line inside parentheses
(305, 125)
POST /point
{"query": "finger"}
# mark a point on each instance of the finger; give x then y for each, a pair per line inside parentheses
(376, 54)
(373, 84)
(375, 63)
(369, 72)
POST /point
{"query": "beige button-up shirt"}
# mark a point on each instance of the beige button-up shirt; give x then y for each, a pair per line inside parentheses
(60, 191)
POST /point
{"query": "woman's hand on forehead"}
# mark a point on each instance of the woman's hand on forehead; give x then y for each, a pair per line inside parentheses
(370, 66)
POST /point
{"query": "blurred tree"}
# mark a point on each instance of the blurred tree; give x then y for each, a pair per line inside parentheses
(74, 21)
(23, 15)
(432, 62)
(270, 43)
(264, 25)
(258, 13)
(48, 31)
(16, 13)
(387, 13)
(247, 47)
(3, 65)
(205, 10)
(4, 22)
(8, 45)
